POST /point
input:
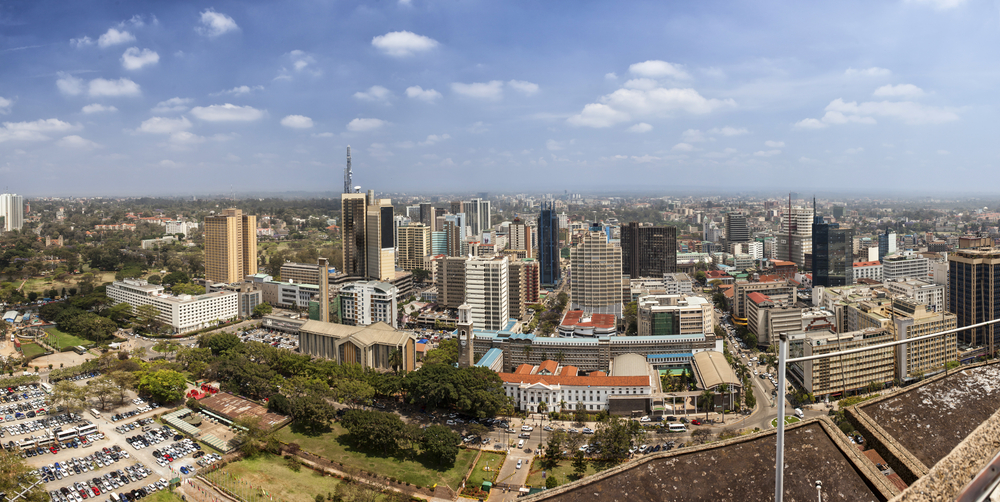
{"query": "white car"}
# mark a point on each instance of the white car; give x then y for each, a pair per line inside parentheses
(519, 463)
(645, 419)
(527, 428)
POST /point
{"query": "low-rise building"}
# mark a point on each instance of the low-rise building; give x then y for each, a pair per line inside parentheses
(835, 375)
(868, 270)
(660, 315)
(927, 293)
(563, 388)
(576, 324)
(183, 313)
(368, 346)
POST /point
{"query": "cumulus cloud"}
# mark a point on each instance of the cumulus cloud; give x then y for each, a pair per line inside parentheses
(842, 112)
(682, 147)
(874, 71)
(645, 159)
(133, 58)
(98, 108)
(297, 122)
(239, 90)
(172, 105)
(169, 163)
(5, 105)
(374, 94)
(403, 43)
(213, 24)
(417, 92)
(646, 84)
(81, 42)
(693, 136)
(164, 125)
(68, 84)
(363, 125)
(553, 145)
(774, 144)
(301, 63)
(77, 142)
(527, 88)
(611, 76)
(434, 138)
(227, 113)
(658, 69)
(120, 87)
(625, 104)
(32, 131)
(641, 127)
(767, 153)
(899, 91)
(729, 131)
(114, 37)
(492, 90)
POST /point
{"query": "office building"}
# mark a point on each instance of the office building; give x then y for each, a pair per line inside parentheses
(665, 315)
(353, 210)
(648, 251)
(923, 358)
(905, 266)
(972, 292)
(736, 227)
(12, 211)
(519, 237)
(303, 273)
(886, 244)
(451, 281)
(867, 270)
(250, 295)
(923, 292)
(364, 303)
(230, 246)
(487, 283)
(596, 268)
(548, 244)
(174, 227)
(182, 313)
(795, 236)
(832, 254)
(455, 235)
(479, 214)
(780, 291)
(380, 247)
(427, 214)
(523, 282)
(834, 376)
(414, 245)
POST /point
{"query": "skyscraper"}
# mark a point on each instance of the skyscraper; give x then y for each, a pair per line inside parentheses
(230, 246)
(348, 173)
(380, 244)
(487, 283)
(427, 214)
(414, 245)
(974, 286)
(596, 271)
(520, 237)
(886, 244)
(548, 244)
(454, 230)
(832, 254)
(736, 227)
(12, 211)
(352, 212)
(648, 251)
(479, 215)
(795, 235)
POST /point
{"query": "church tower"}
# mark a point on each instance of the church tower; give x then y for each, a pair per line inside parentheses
(465, 348)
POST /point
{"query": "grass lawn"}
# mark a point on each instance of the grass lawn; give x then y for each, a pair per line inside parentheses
(279, 480)
(494, 461)
(563, 472)
(31, 350)
(789, 420)
(165, 496)
(60, 340)
(335, 446)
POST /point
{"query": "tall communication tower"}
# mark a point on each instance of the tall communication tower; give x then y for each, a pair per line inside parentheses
(348, 185)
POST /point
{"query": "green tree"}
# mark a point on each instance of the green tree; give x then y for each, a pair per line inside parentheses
(375, 430)
(67, 394)
(748, 398)
(165, 386)
(630, 314)
(16, 475)
(154, 279)
(554, 449)
(355, 393)
(551, 482)
(396, 360)
(32, 296)
(145, 317)
(176, 278)
(579, 413)
(420, 275)
(440, 443)
(615, 436)
(264, 309)
(579, 464)
(103, 389)
(445, 353)
(187, 289)
(219, 342)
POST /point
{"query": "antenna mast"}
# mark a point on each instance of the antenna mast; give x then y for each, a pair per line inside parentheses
(348, 173)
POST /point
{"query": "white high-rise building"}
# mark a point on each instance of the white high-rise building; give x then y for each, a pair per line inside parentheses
(12, 210)
(801, 222)
(487, 284)
(367, 302)
(596, 268)
(905, 266)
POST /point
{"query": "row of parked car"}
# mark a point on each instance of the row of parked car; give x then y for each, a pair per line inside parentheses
(175, 451)
(111, 481)
(206, 459)
(150, 437)
(131, 413)
(122, 429)
(81, 376)
(40, 425)
(20, 410)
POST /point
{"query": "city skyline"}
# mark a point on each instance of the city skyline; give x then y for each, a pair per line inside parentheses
(720, 95)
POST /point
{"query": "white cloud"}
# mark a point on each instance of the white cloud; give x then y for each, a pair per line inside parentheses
(428, 95)
(403, 43)
(527, 88)
(943, 152)
(478, 128)
(114, 37)
(641, 127)
(68, 84)
(172, 105)
(214, 24)
(806, 160)
(768, 153)
(611, 76)
(98, 108)
(683, 147)
(169, 163)
(853, 151)
(32, 131)
(434, 138)
(240, 90)
(939, 4)
(774, 144)
(624, 104)
(907, 111)
(81, 42)
(297, 122)
(693, 136)
(644, 159)
(75, 141)
(809, 124)
(375, 94)
(363, 125)
(492, 90)
(874, 71)
(227, 112)
(164, 125)
(899, 91)
(728, 152)
(120, 87)
(133, 58)
(5, 105)
(645, 84)
(553, 145)
(729, 131)
(658, 69)
(185, 139)
(301, 63)
(836, 117)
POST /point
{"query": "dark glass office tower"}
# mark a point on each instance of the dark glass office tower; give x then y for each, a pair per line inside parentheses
(548, 244)
(832, 254)
(648, 251)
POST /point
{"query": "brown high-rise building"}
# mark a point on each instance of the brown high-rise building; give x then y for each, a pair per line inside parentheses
(451, 282)
(230, 246)
(648, 251)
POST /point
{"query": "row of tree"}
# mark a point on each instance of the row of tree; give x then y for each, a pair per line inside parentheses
(386, 434)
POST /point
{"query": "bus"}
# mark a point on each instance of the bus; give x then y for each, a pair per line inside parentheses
(79, 350)
(675, 427)
(95, 413)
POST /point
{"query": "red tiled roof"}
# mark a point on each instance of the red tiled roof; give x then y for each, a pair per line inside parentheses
(770, 278)
(569, 371)
(866, 263)
(598, 373)
(592, 380)
(715, 274)
(547, 365)
(782, 263)
(758, 297)
(524, 369)
(573, 318)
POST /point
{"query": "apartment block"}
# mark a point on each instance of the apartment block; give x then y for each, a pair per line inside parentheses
(451, 281)
(230, 246)
(183, 313)
(905, 266)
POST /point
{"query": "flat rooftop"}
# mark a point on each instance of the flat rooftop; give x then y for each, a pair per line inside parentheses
(739, 469)
(930, 420)
(234, 407)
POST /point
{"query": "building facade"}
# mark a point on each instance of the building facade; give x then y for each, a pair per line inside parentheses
(303, 273)
(520, 237)
(353, 210)
(380, 244)
(414, 246)
(548, 244)
(834, 376)
(487, 290)
(832, 255)
(648, 251)
(368, 346)
(736, 227)
(230, 246)
(905, 266)
(451, 281)
(183, 313)
(562, 389)
(12, 211)
(925, 357)
(973, 293)
(660, 315)
(868, 270)
(596, 268)
(365, 303)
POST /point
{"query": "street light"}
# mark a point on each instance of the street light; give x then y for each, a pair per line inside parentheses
(819, 492)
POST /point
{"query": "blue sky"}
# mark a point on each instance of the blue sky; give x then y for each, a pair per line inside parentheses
(190, 97)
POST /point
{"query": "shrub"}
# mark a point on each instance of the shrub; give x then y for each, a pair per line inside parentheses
(551, 482)
(296, 467)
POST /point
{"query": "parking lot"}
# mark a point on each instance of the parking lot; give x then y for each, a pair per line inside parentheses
(271, 337)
